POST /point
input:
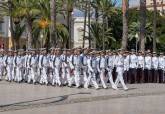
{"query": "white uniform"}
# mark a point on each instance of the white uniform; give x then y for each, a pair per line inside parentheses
(120, 71)
(92, 70)
(126, 63)
(1, 66)
(45, 65)
(57, 67)
(28, 69)
(33, 64)
(161, 63)
(70, 69)
(141, 62)
(64, 66)
(148, 62)
(84, 67)
(155, 62)
(77, 68)
(51, 73)
(9, 64)
(19, 66)
(102, 67)
(133, 61)
(110, 67)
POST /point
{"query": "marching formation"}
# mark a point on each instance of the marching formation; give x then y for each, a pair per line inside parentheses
(81, 67)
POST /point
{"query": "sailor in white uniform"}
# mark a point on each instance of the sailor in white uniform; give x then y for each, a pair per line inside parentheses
(45, 65)
(9, 66)
(120, 70)
(102, 68)
(33, 66)
(92, 70)
(110, 66)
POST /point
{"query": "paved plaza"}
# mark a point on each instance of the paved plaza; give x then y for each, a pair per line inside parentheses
(36, 99)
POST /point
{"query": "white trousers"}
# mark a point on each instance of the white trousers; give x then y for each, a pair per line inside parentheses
(91, 78)
(18, 76)
(77, 76)
(102, 77)
(85, 70)
(120, 79)
(111, 78)
(32, 75)
(68, 75)
(9, 76)
(63, 75)
(1, 71)
(57, 76)
(44, 76)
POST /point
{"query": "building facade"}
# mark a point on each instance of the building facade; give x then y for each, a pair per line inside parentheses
(159, 3)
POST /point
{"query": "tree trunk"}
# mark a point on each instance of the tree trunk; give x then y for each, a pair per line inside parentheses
(125, 6)
(103, 34)
(11, 21)
(89, 23)
(85, 23)
(69, 14)
(142, 24)
(154, 26)
(96, 21)
(53, 39)
(30, 36)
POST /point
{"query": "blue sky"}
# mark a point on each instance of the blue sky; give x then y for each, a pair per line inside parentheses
(132, 2)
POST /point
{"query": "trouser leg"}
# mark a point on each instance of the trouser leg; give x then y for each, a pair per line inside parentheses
(68, 76)
(149, 76)
(86, 84)
(111, 79)
(77, 77)
(130, 76)
(122, 80)
(160, 76)
(85, 75)
(125, 76)
(45, 75)
(102, 77)
(93, 79)
(20, 75)
(58, 76)
(63, 76)
(114, 74)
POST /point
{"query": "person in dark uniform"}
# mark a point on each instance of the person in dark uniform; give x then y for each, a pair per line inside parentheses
(148, 66)
(140, 69)
(133, 67)
(161, 67)
(154, 67)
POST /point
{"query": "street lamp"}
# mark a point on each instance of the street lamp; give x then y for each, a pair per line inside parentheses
(42, 36)
(136, 36)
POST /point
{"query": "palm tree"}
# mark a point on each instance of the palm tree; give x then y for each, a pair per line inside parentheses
(89, 22)
(53, 39)
(154, 25)
(107, 8)
(125, 6)
(69, 10)
(29, 11)
(96, 29)
(142, 24)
